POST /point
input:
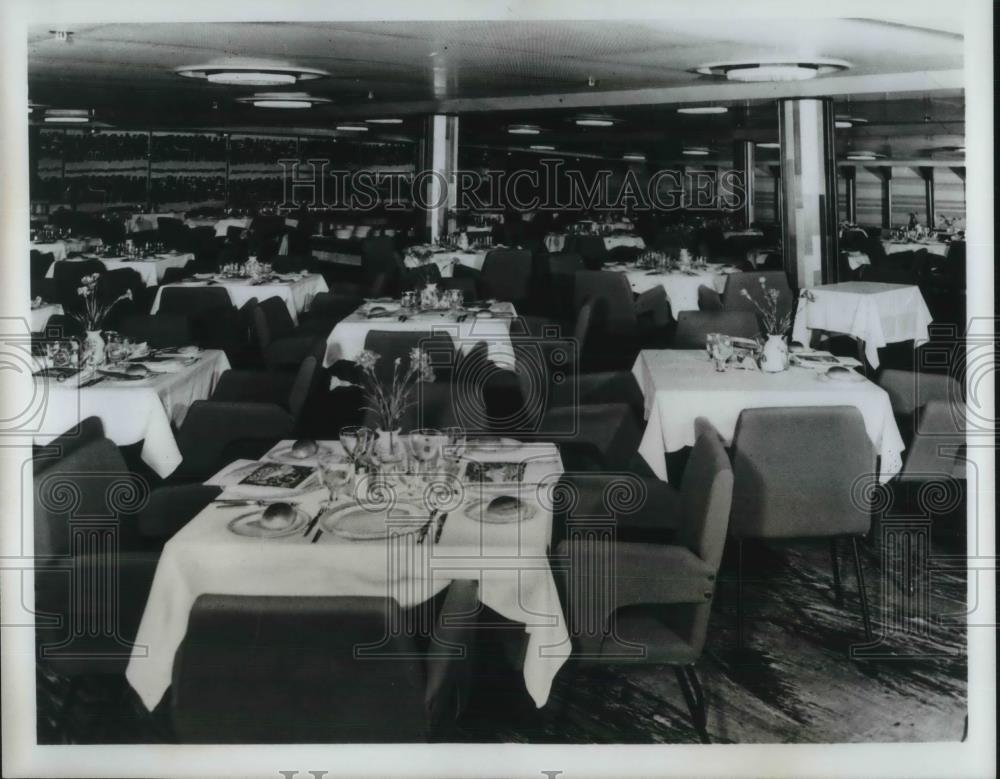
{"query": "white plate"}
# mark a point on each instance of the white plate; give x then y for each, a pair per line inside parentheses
(355, 522)
(249, 525)
(284, 455)
(850, 377)
(476, 511)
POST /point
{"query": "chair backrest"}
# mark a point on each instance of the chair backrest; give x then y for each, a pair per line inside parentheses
(159, 330)
(390, 344)
(193, 301)
(272, 321)
(507, 274)
(290, 666)
(694, 326)
(378, 255)
(615, 290)
(909, 390)
(937, 451)
(592, 250)
(67, 275)
(709, 299)
(734, 300)
(173, 275)
(40, 263)
(117, 282)
(90, 429)
(797, 472)
(564, 263)
(302, 386)
(706, 496)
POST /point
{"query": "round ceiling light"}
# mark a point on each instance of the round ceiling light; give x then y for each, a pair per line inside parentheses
(67, 115)
(541, 147)
(524, 129)
(595, 120)
(634, 156)
(352, 127)
(282, 100)
(250, 73)
(768, 145)
(773, 70)
(384, 120)
(695, 151)
(703, 109)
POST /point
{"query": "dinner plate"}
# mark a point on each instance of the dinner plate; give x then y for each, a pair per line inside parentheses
(357, 523)
(249, 525)
(847, 377)
(284, 454)
(476, 510)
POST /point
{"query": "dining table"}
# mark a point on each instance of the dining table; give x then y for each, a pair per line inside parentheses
(133, 410)
(408, 549)
(138, 223)
(489, 324)
(220, 225)
(40, 314)
(447, 259)
(874, 312)
(939, 248)
(151, 269)
(678, 386)
(680, 284)
(556, 242)
(61, 248)
(297, 290)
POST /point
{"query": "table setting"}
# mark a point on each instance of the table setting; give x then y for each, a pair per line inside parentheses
(347, 517)
(150, 261)
(41, 311)
(679, 276)
(61, 244)
(469, 252)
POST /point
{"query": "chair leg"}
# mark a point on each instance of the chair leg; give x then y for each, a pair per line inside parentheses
(837, 588)
(862, 594)
(739, 595)
(694, 696)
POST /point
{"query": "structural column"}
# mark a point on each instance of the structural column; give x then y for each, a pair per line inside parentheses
(434, 182)
(927, 174)
(884, 172)
(851, 194)
(809, 191)
(743, 164)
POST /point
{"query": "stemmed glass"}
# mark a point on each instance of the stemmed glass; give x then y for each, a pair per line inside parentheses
(723, 351)
(425, 446)
(711, 339)
(454, 441)
(335, 474)
(355, 439)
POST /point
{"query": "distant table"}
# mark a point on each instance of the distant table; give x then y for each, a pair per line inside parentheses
(138, 223)
(41, 314)
(297, 291)
(556, 242)
(508, 560)
(933, 247)
(134, 411)
(681, 385)
(874, 312)
(742, 234)
(347, 340)
(681, 286)
(63, 247)
(151, 269)
(446, 261)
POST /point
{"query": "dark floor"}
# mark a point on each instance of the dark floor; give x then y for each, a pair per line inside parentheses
(794, 682)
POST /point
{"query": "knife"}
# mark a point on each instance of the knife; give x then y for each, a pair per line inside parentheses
(440, 527)
(316, 537)
(425, 528)
(312, 522)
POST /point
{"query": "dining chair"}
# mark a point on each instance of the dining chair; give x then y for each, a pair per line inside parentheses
(40, 263)
(709, 299)
(384, 685)
(506, 275)
(614, 289)
(157, 330)
(796, 472)
(174, 275)
(379, 256)
(282, 345)
(592, 251)
(693, 327)
(391, 345)
(66, 276)
(647, 603)
(562, 268)
(194, 301)
(247, 413)
(733, 299)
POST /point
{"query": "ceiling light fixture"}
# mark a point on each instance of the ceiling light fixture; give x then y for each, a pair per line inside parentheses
(67, 115)
(789, 69)
(385, 120)
(254, 73)
(634, 156)
(846, 122)
(524, 129)
(352, 127)
(542, 147)
(703, 109)
(695, 151)
(864, 156)
(768, 145)
(595, 120)
(282, 100)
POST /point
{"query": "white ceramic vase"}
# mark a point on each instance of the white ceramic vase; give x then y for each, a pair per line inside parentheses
(774, 357)
(95, 348)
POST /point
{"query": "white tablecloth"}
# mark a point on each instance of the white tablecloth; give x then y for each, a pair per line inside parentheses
(134, 411)
(877, 313)
(681, 385)
(934, 247)
(347, 340)
(681, 287)
(446, 261)
(856, 259)
(297, 295)
(65, 246)
(138, 223)
(40, 315)
(556, 242)
(151, 269)
(508, 560)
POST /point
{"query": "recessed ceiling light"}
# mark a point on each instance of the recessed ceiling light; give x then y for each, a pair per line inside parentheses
(846, 122)
(541, 147)
(789, 69)
(282, 100)
(386, 120)
(769, 145)
(524, 129)
(595, 120)
(67, 115)
(703, 109)
(352, 127)
(695, 151)
(864, 156)
(634, 156)
(254, 73)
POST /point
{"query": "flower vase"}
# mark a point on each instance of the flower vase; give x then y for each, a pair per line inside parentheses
(95, 348)
(388, 446)
(774, 356)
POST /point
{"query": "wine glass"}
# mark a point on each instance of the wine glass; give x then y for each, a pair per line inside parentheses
(335, 474)
(425, 446)
(355, 439)
(454, 441)
(723, 350)
(710, 341)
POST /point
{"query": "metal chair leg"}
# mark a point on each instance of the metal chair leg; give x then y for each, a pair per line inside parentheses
(694, 696)
(739, 595)
(838, 589)
(861, 589)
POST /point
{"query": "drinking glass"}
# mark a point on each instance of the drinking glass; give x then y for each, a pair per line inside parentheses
(409, 300)
(355, 439)
(710, 341)
(454, 442)
(425, 446)
(116, 349)
(723, 351)
(456, 299)
(335, 474)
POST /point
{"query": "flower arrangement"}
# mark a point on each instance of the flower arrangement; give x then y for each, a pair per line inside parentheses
(93, 314)
(390, 403)
(773, 322)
